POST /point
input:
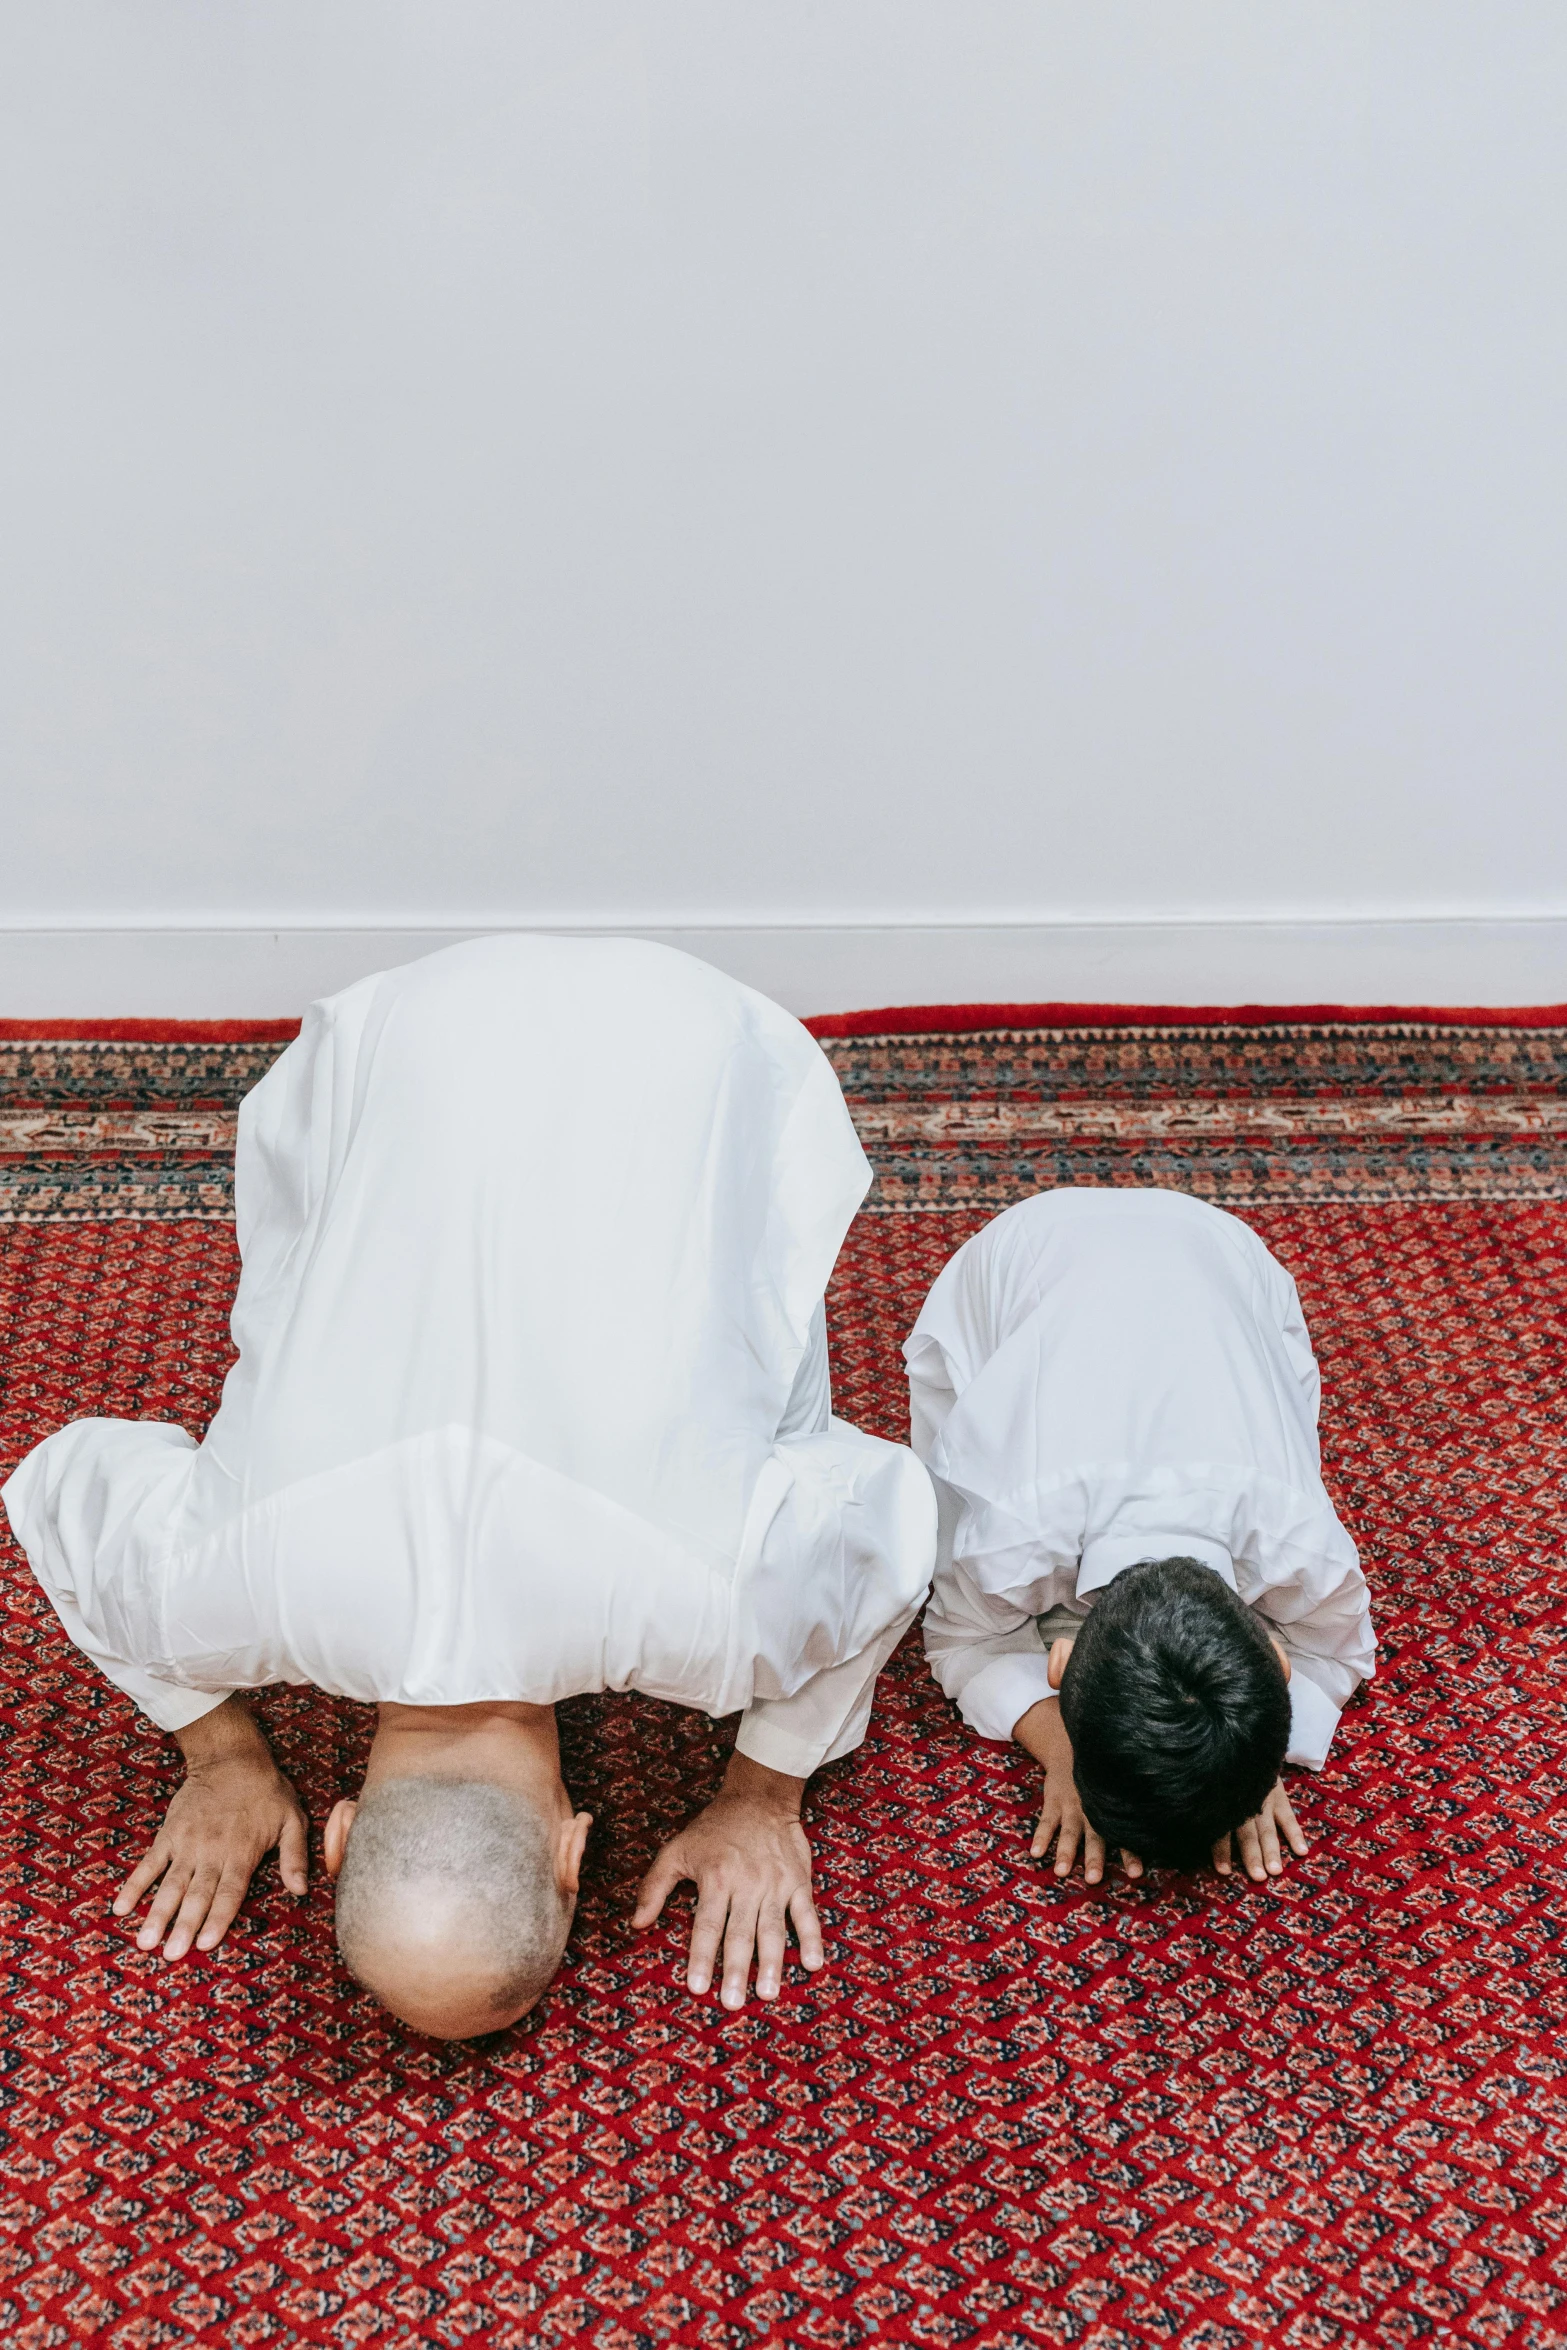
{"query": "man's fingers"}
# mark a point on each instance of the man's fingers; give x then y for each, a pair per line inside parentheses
(230, 1891)
(147, 1871)
(1132, 1865)
(739, 1943)
(193, 1911)
(1221, 1856)
(1093, 1855)
(293, 1854)
(770, 1947)
(807, 1929)
(707, 1930)
(656, 1887)
(165, 1902)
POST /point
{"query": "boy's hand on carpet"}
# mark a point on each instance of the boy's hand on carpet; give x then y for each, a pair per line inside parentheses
(1043, 1734)
(234, 1806)
(1063, 1822)
(749, 1860)
(1261, 1854)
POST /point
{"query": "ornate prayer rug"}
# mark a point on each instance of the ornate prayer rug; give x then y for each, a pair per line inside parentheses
(1009, 2112)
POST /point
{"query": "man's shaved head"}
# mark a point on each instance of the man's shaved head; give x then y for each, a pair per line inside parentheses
(448, 1904)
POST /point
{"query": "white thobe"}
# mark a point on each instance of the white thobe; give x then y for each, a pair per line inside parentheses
(1100, 1377)
(531, 1394)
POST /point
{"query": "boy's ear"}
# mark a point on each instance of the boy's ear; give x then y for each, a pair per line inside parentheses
(1055, 1664)
(1281, 1653)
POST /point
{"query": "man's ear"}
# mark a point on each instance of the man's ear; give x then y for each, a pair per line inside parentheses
(569, 1846)
(1055, 1665)
(334, 1840)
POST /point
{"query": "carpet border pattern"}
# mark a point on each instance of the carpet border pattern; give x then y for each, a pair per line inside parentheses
(1233, 1106)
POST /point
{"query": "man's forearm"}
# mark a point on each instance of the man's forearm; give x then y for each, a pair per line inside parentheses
(757, 1783)
(228, 1732)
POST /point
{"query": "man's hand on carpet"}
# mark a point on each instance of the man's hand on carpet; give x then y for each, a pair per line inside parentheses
(1062, 1819)
(1260, 1852)
(234, 1806)
(749, 1860)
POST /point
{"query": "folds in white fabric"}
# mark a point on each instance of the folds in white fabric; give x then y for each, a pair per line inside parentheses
(535, 1235)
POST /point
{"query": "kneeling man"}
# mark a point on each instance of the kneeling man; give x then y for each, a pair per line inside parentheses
(531, 1400)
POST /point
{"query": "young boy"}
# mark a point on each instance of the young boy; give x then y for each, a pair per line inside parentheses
(1140, 1578)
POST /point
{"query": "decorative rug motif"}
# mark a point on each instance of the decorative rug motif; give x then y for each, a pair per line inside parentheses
(1008, 2113)
(1239, 1114)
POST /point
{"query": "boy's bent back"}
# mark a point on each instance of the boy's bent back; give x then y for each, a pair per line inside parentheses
(1101, 1378)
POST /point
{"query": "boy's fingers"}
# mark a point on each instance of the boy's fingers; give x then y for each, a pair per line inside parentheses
(1221, 1856)
(1066, 1847)
(1251, 1851)
(1047, 1823)
(1093, 1856)
(1294, 1834)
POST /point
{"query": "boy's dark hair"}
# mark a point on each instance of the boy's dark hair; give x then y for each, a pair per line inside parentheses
(1178, 1712)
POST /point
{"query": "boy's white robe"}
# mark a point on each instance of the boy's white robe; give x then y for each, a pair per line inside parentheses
(531, 1393)
(1104, 1376)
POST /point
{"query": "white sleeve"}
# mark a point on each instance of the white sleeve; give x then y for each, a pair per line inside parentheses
(1326, 1630)
(73, 1506)
(826, 1719)
(809, 1409)
(931, 1398)
(933, 1352)
(1277, 1303)
(1313, 1720)
(1320, 1611)
(985, 1653)
(844, 1566)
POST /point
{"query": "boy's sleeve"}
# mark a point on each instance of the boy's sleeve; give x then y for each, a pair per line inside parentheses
(985, 1652)
(1313, 1719)
(1319, 1608)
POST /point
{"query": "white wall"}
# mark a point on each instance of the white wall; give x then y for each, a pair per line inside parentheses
(825, 461)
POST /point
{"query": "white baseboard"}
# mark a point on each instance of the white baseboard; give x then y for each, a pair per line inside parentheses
(257, 972)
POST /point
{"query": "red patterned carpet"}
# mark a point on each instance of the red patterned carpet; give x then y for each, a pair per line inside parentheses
(1008, 2113)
